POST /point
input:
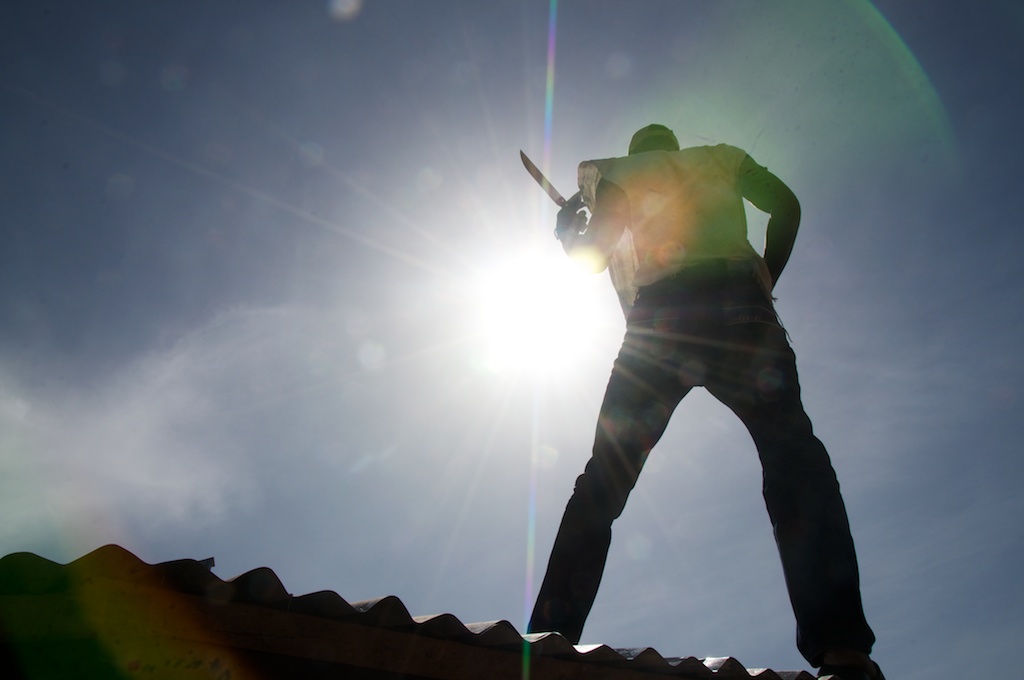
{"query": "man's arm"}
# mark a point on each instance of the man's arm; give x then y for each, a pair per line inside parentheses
(592, 243)
(768, 193)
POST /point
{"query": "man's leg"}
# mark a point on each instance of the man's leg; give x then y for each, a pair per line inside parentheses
(759, 383)
(641, 395)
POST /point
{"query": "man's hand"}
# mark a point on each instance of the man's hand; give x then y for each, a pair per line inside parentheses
(591, 240)
(572, 219)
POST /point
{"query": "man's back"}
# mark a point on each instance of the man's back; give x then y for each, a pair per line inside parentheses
(683, 207)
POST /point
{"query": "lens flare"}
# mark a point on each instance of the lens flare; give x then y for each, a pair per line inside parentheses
(344, 10)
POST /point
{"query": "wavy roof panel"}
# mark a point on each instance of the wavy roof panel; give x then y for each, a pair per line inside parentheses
(110, 614)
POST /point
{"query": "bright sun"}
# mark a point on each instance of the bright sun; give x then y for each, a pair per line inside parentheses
(539, 312)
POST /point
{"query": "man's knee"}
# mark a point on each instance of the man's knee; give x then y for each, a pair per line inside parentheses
(798, 454)
(599, 499)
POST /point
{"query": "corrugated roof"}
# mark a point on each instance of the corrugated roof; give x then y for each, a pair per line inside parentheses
(121, 615)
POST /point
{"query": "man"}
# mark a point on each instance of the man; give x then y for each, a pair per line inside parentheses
(670, 226)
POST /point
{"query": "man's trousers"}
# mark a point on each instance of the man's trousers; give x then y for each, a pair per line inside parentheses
(712, 325)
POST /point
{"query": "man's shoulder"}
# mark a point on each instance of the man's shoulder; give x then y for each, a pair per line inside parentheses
(621, 168)
(655, 156)
(726, 150)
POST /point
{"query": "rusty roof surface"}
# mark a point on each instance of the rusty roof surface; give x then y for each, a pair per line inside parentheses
(178, 619)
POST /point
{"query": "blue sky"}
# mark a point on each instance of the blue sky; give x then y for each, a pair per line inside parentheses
(261, 265)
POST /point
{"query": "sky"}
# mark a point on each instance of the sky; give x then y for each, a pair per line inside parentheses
(276, 289)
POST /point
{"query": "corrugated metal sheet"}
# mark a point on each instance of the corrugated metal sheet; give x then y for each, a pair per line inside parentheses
(178, 619)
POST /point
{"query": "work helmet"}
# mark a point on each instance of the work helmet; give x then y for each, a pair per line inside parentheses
(654, 137)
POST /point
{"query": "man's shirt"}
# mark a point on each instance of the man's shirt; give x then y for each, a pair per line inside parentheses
(684, 207)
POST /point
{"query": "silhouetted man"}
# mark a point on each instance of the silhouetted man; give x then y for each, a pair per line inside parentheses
(670, 226)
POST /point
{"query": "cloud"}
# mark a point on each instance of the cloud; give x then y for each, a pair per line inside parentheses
(180, 436)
